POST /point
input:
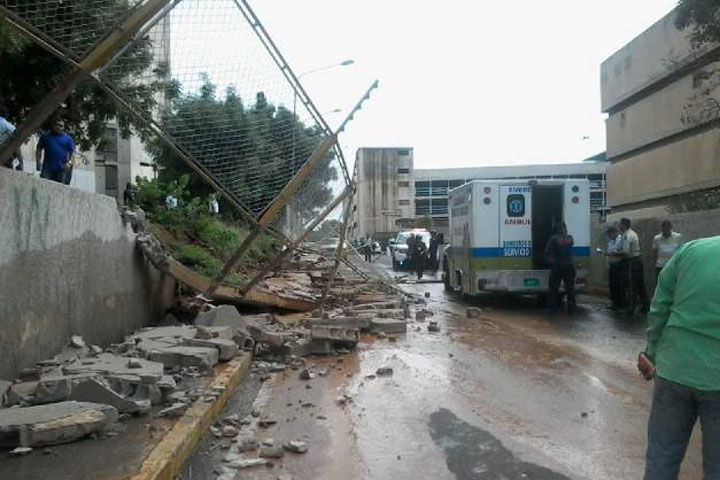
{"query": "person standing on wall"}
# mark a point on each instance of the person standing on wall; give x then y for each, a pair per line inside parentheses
(558, 252)
(15, 162)
(664, 246)
(683, 357)
(632, 264)
(59, 153)
(615, 268)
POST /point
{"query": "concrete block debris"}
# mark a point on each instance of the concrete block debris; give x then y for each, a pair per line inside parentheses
(345, 335)
(473, 312)
(420, 316)
(54, 423)
(243, 463)
(201, 357)
(433, 327)
(388, 325)
(296, 446)
(227, 349)
(91, 390)
(384, 371)
(272, 451)
(76, 341)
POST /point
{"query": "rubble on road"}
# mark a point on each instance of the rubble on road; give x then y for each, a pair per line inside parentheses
(53, 423)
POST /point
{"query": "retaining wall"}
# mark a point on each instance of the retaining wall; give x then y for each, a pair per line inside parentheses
(68, 266)
(691, 225)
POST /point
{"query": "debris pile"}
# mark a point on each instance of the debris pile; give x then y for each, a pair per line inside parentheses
(84, 390)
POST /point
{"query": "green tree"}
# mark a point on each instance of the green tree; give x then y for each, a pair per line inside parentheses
(29, 72)
(702, 17)
(253, 150)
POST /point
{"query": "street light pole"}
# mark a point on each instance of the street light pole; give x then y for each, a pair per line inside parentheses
(344, 63)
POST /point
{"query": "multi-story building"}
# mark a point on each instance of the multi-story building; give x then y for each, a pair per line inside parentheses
(384, 191)
(662, 100)
(391, 193)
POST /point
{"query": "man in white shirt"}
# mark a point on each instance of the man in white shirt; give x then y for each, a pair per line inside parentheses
(632, 263)
(6, 130)
(615, 270)
(664, 246)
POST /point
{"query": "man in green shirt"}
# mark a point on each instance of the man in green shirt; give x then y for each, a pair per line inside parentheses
(684, 345)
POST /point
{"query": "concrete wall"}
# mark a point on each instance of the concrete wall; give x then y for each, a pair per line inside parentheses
(692, 225)
(666, 112)
(652, 55)
(685, 165)
(67, 266)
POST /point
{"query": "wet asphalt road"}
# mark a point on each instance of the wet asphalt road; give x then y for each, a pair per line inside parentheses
(517, 394)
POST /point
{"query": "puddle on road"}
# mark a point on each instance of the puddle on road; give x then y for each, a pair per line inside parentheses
(474, 454)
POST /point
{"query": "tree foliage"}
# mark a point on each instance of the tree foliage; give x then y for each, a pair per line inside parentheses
(255, 159)
(702, 17)
(29, 72)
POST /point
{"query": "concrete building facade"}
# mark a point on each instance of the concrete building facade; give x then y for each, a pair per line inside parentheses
(384, 191)
(663, 139)
(391, 193)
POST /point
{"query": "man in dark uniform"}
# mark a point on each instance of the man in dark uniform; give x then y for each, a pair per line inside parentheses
(559, 255)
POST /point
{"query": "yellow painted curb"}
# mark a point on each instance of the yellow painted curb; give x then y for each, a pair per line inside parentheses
(168, 457)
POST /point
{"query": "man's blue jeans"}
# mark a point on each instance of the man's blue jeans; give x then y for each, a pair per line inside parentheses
(675, 409)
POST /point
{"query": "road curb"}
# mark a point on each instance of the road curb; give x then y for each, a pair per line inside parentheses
(168, 457)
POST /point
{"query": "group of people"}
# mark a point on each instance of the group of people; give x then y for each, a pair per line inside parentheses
(626, 270)
(424, 257)
(54, 155)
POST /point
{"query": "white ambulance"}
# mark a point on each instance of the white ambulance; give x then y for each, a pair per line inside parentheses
(499, 230)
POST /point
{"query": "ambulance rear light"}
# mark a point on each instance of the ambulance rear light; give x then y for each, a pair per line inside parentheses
(575, 189)
(576, 199)
(487, 201)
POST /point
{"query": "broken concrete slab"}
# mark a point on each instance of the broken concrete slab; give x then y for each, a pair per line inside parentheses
(296, 446)
(378, 306)
(375, 298)
(201, 357)
(23, 392)
(53, 389)
(388, 325)
(110, 364)
(227, 349)
(54, 423)
(361, 323)
(4, 388)
(97, 392)
(346, 335)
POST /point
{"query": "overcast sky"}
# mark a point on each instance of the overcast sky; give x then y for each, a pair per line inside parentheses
(466, 83)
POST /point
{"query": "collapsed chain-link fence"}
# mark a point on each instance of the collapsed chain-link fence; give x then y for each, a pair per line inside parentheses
(205, 88)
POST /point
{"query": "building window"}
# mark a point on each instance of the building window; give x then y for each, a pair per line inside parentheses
(439, 206)
(456, 183)
(403, 202)
(111, 178)
(422, 189)
(404, 184)
(108, 145)
(403, 170)
(439, 188)
(422, 207)
(403, 153)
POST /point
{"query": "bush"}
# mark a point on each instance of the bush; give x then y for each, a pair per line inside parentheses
(198, 259)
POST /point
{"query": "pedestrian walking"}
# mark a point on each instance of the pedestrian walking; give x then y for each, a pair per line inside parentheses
(15, 162)
(615, 269)
(419, 255)
(56, 149)
(633, 265)
(433, 251)
(367, 248)
(664, 246)
(558, 252)
(683, 343)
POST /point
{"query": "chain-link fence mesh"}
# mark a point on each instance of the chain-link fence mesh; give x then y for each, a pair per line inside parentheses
(72, 26)
(222, 98)
(203, 86)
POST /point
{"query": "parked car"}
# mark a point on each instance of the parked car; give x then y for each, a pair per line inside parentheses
(399, 249)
